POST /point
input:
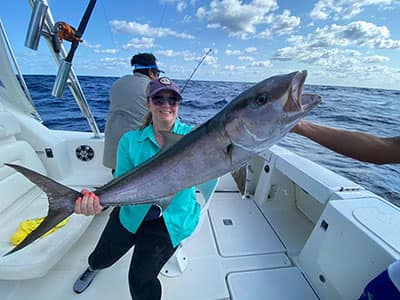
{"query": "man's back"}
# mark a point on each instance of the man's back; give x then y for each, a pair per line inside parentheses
(127, 110)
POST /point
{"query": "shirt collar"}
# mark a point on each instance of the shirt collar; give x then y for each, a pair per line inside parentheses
(148, 132)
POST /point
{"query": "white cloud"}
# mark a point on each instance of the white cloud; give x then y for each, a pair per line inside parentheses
(232, 52)
(234, 68)
(236, 17)
(173, 53)
(181, 6)
(328, 51)
(250, 49)
(188, 56)
(356, 33)
(112, 62)
(282, 24)
(105, 51)
(134, 28)
(201, 12)
(260, 64)
(246, 58)
(325, 9)
(90, 45)
(376, 59)
(142, 43)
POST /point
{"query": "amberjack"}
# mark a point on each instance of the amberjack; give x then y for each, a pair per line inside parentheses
(247, 126)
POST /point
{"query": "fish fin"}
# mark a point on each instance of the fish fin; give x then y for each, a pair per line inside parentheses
(61, 203)
(170, 138)
(240, 177)
(164, 202)
(229, 151)
(53, 218)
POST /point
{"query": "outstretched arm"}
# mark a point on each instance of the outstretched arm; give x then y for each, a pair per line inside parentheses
(358, 145)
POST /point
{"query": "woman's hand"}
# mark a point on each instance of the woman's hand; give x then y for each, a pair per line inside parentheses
(89, 204)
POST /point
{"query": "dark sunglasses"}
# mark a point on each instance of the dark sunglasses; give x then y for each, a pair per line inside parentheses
(160, 100)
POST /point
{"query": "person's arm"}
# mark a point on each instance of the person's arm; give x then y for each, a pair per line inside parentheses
(358, 145)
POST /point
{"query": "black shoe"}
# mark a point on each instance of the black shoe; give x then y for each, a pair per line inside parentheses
(84, 280)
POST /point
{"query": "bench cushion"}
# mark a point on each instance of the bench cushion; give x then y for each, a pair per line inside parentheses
(21, 200)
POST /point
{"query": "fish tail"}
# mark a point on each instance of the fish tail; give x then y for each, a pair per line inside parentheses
(61, 204)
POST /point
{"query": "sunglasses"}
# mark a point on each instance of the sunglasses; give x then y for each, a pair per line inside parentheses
(160, 100)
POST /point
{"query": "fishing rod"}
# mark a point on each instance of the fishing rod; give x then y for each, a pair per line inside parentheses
(195, 69)
(74, 36)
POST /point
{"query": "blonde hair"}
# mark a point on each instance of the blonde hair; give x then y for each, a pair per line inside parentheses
(147, 120)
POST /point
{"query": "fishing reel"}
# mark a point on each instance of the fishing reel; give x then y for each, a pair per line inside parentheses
(63, 31)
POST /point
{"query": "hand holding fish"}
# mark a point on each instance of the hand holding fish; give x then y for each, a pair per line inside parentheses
(88, 204)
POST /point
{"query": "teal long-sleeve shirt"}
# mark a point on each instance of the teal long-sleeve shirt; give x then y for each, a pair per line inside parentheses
(182, 214)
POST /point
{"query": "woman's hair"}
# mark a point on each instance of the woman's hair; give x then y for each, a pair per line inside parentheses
(148, 118)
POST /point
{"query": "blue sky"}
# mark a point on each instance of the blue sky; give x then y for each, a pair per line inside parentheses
(339, 42)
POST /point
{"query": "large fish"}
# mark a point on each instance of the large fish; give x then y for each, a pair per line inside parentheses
(247, 126)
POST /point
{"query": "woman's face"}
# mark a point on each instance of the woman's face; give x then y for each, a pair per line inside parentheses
(164, 107)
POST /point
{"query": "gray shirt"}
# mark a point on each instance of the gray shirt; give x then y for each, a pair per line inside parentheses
(127, 110)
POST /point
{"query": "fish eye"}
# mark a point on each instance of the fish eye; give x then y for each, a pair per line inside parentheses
(261, 99)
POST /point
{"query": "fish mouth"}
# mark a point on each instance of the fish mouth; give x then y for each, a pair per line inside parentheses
(297, 87)
(302, 102)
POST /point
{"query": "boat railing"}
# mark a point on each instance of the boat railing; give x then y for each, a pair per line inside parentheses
(43, 18)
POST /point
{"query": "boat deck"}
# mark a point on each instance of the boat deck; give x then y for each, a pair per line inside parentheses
(236, 254)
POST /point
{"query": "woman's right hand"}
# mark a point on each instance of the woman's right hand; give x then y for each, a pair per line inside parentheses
(88, 204)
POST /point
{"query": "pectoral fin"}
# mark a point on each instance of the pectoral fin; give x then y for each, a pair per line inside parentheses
(170, 138)
(240, 177)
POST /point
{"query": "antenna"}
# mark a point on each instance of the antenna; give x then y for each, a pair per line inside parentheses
(195, 69)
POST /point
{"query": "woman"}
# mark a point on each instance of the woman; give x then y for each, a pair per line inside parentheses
(155, 233)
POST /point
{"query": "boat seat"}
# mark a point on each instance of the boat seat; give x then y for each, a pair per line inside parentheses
(22, 200)
(177, 263)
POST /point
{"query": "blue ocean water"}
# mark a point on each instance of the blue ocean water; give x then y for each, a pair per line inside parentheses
(376, 111)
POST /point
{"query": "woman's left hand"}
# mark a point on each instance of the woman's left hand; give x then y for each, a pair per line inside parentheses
(89, 204)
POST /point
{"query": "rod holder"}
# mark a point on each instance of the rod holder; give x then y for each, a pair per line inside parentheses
(61, 79)
(36, 24)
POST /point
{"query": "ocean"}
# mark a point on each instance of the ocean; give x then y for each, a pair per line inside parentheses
(376, 111)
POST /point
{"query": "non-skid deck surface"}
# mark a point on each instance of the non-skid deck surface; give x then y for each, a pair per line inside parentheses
(277, 284)
(240, 228)
(225, 262)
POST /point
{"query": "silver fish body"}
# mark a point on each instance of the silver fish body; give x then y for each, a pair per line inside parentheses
(247, 126)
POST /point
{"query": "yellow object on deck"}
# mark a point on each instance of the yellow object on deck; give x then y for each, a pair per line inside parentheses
(27, 226)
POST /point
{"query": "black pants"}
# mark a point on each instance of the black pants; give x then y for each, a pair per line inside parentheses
(153, 248)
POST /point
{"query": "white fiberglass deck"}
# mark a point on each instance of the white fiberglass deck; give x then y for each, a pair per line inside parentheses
(235, 255)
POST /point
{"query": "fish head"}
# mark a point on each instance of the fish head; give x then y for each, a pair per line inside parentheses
(263, 114)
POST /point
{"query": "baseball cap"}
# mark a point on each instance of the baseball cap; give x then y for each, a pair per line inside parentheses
(142, 67)
(163, 84)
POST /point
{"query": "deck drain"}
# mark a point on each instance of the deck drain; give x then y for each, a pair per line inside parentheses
(227, 222)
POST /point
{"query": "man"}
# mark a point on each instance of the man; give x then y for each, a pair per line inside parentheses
(128, 103)
(369, 148)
